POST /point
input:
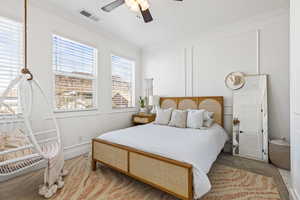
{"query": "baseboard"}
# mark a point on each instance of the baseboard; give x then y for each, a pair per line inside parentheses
(77, 150)
(69, 153)
(294, 194)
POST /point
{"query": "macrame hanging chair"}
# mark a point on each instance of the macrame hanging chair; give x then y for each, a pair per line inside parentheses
(29, 134)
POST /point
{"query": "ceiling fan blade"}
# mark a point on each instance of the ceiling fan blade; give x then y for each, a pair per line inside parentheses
(113, 5)
(146, 15)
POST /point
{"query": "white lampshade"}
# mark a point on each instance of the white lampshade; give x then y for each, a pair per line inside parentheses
(150, 102)
(149, 87)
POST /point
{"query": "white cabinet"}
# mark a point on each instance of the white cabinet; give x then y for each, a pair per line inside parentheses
(250, 108)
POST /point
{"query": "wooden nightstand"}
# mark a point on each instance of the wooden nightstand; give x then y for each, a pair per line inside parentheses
(142, 118)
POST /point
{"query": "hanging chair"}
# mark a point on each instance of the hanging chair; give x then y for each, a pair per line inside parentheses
(22, 147)
(29, 134)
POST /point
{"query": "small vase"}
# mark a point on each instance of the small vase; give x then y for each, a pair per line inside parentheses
(143, 110)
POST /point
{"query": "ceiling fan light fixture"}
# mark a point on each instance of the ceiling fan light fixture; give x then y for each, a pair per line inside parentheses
(144, 4)
(134, 5)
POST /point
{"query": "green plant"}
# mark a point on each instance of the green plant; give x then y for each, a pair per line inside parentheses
(142, 102)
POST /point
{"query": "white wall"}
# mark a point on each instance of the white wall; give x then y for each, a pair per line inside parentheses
(77, 127)
(198, 68)
(295, 98)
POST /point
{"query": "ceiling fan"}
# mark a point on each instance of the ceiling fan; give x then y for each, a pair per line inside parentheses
(135, 5)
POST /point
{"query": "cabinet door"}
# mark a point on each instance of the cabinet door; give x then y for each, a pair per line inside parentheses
(248, 109)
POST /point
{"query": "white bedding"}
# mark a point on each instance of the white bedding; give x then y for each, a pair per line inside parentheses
(194, 146)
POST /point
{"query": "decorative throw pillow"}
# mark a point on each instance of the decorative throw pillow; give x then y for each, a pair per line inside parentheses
(207, 115)
(208, 123)
(163, 116)
(178, 118)
(195, 118)
(208, 119)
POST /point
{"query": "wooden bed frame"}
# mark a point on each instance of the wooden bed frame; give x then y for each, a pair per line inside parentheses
(168, 175)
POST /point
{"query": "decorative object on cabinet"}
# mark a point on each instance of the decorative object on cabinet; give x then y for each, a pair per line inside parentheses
(142, 102)
(250, 119)
(141, 118)
(235, 80)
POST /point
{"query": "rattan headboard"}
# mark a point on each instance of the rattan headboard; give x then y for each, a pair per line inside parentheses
(212, 104)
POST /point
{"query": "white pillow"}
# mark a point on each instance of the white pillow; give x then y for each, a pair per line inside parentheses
(178, 118)
(163, 116)
(195, 119)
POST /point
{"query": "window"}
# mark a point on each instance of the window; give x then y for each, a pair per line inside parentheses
(11, 60)
(122, 82)
(74, 67)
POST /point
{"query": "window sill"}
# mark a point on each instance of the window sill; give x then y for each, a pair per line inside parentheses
(75, 111)
(59, 114)
(62, 114)
(120, 110)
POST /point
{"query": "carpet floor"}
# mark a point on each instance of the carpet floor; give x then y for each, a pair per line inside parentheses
(231, 178)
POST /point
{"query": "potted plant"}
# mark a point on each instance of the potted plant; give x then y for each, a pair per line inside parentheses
(142, 102)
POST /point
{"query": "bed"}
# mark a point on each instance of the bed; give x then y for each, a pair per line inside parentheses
(174, 160)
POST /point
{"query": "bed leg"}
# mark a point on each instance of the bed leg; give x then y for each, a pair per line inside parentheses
(94, 165)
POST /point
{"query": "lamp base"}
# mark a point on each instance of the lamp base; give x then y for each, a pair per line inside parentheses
(154, 110)
(144, 110)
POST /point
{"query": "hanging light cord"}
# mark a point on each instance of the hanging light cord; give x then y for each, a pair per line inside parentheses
(25, 70)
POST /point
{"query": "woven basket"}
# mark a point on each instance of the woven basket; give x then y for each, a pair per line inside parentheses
(279, 153)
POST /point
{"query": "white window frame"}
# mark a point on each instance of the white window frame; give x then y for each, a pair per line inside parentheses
(133, 106)
(94, 78)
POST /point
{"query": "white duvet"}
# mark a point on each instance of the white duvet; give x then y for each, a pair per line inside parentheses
(194, 146)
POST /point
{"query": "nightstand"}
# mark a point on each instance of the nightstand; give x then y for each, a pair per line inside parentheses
(142, 118)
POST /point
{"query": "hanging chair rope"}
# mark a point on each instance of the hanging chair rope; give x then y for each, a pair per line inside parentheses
(25, 70)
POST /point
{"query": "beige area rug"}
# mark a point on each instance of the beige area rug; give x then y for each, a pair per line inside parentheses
(106, 184)
(230, 183)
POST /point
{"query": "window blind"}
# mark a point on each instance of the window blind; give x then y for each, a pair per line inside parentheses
(75, 74)
(73, 57)
(122, 82)
(11, 57)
